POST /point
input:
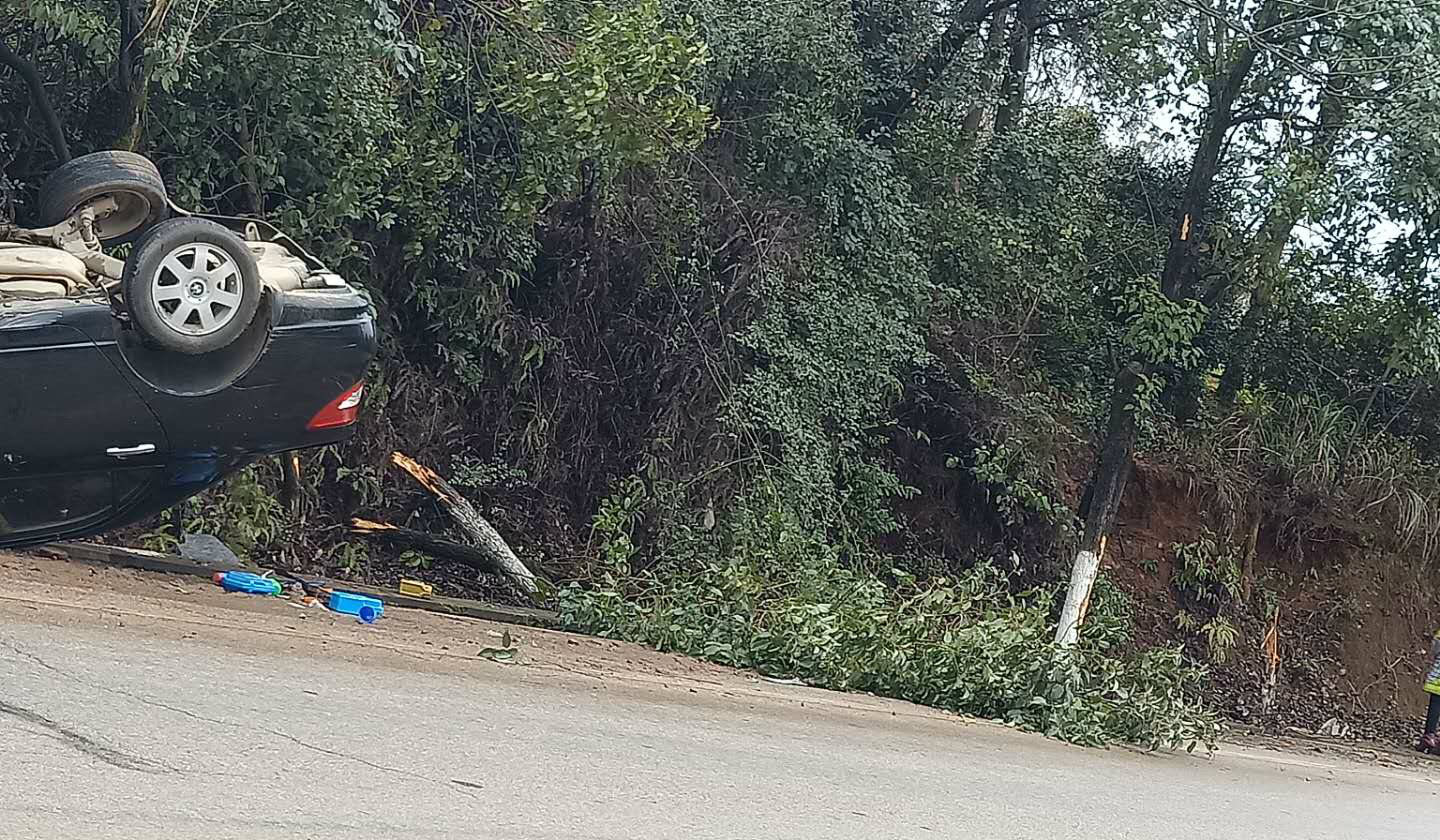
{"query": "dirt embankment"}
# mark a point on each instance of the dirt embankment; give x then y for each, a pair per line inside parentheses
(1354, 624)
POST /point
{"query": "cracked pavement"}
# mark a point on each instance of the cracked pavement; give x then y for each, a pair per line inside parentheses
(139, 706)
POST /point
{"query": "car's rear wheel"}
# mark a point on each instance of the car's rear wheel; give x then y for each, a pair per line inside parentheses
(130, 180)
(191, 286)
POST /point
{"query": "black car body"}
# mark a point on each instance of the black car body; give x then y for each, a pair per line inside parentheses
(99, 430)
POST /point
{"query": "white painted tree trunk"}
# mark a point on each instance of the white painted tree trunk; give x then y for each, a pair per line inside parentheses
(1082, 578)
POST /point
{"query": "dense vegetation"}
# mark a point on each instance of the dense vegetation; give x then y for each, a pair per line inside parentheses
(783, 328)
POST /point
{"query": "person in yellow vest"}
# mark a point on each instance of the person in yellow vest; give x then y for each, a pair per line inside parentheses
(1430, 740)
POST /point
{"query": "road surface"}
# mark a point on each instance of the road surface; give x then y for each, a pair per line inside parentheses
(138, 706)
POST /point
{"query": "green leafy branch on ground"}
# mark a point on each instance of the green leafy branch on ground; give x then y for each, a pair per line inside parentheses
(782, 604)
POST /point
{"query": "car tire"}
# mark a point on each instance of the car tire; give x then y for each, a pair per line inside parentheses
(131, 179)
(191, 286)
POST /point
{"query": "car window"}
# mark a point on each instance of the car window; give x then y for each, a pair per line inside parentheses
(43, 502)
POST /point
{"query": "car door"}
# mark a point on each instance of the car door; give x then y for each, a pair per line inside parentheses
(38, 508)
(63, 404)
(76, 440)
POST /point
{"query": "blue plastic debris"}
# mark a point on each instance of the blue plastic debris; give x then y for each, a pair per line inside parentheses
(363, 607)
(247, 582)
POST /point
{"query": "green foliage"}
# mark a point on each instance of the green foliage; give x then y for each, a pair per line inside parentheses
(614, 526)
(1207, 570)
(1208, 577)
(1160, 330)
(1017, 484)
(837, 325)
(1110, 621)
(240, 511)
(1221, 637)
(786, 606)
(494, 474)
(621, 92)
(231, 113)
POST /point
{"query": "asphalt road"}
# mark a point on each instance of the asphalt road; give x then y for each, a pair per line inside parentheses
(135, 707)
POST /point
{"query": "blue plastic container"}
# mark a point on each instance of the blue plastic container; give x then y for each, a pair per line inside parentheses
(363, 607)
(254, 584)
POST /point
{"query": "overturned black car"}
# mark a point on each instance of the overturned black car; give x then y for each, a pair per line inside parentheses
(127, 386)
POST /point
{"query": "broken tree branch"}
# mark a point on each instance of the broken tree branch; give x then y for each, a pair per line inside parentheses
(434, 546)
(475, 526)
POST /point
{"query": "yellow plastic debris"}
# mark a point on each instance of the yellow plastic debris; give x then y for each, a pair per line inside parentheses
(417, 588)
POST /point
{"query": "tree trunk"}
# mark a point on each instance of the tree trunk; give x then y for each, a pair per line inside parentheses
(1112, 473)
(989, 78)
(1113, 468)
(130, 77)
(1017, 68)
(36, 85)
(253, 195)
(469, 555)
(1175, 279)
(481, 533)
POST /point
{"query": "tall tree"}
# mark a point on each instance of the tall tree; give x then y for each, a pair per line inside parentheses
(1245, 64)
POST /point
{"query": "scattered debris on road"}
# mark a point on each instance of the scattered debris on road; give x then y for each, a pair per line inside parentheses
(306, 593)
(315, 588)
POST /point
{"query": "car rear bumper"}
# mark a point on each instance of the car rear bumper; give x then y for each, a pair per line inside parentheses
(320, 345)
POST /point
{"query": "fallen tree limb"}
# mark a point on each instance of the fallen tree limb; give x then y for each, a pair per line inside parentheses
(476, 528)
(434, 546)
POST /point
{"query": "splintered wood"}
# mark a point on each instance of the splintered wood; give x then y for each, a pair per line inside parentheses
(480, 532)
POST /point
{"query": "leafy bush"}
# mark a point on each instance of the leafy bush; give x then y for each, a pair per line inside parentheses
(1207, 571)
(787, 606)
(1016, 484)
(1209, 581)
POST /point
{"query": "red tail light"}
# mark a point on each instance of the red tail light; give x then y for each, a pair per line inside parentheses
(342, 411)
